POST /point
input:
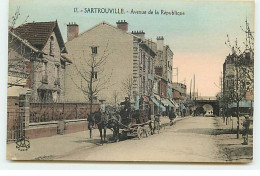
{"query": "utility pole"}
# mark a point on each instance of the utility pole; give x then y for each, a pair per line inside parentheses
(222, 97)
(190, 88)
(194, 87)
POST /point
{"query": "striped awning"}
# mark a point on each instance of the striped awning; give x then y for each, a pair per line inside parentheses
(158, 104)
(147, 99)
(174, 103)
(242, 104)
(169, 102)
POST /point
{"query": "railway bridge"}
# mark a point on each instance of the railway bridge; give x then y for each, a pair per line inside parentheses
(207, 105)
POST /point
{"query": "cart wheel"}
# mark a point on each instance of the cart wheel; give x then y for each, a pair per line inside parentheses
(124, 135)
(139, 132)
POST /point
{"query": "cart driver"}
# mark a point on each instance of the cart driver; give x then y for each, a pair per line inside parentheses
(127, 106)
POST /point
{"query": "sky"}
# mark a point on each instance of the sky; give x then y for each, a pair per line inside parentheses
(196, 38)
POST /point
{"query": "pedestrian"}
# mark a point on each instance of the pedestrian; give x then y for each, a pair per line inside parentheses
(183, 112)
(91, 121)
(172, 116)
(245, 131)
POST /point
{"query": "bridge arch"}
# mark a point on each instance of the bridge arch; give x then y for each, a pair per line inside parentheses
(208, 109)
(210, 106)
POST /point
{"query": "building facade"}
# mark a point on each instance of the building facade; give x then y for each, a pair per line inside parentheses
(127, 67)
(238, 82)
(163, 61)
(45, 64)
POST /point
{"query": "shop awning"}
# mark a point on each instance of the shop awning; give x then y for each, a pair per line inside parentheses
(164, 102)
(170, 92)
(147, 99)
(158, 104)
(169, 102)
(242, 104)
(182, 106)
(174, 103)
(161, 100)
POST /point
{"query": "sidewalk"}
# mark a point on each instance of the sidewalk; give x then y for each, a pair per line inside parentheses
(48, 148)
(231, 147)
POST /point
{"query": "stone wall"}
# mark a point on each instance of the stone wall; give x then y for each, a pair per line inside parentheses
(44, 118)
(51, 129)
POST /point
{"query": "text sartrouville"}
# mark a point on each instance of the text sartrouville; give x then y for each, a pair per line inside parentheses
(104, 10)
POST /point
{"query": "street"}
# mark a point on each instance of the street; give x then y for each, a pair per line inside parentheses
(190, 139)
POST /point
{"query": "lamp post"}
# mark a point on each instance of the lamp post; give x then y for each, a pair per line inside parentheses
(159, 82)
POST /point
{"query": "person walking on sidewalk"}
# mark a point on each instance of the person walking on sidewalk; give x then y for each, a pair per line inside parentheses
(172, 116)
(245, 132)
(157, 123)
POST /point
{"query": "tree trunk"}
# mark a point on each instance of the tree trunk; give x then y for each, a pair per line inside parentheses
(91, 90)
(237, 119)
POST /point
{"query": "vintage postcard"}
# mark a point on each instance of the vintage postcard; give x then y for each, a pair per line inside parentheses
(140, 81)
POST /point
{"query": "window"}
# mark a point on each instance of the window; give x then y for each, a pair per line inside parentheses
(144, 62)
(57, 75)
(144, 85)
(140, 56)
(58, 96)
(51, 45)
(94, 49)
(149, 66)
(44, 68)
(58, 71)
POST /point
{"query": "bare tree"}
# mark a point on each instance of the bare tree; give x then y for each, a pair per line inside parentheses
(90, 68)
(243, 78)
(115, 97)
(127, 87)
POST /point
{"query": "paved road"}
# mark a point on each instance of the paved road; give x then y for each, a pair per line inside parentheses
(188, 140)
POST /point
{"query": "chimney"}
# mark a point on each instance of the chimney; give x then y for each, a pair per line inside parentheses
(123, 25)
(160, 43)
(140, 34)
(72, 31)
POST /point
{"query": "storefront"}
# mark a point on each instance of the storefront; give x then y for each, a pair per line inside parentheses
(158, 108)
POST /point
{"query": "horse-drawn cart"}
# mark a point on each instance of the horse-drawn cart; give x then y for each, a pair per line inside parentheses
(139, 130)
(136, 124)
(123, 123)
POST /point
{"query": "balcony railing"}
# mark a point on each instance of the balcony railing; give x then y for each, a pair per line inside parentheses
(44, 78)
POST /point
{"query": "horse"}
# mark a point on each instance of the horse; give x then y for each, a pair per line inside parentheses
(108, 119)
(101, 119)
(114, 124)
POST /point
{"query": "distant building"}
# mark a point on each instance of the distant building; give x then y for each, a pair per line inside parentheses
(163, 61)
(179, 91)
(38, 48)
(239, 69)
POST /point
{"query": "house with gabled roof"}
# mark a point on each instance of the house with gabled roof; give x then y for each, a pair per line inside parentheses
(40, 45)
